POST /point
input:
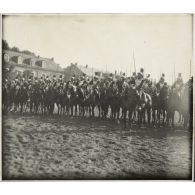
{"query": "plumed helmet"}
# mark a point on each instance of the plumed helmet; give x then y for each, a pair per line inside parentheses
(95, 77)
(139, 74)
(141, 70)
(148, 75)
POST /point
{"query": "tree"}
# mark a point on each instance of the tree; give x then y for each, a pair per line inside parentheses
(15, 49)
(27, 73)
(5, 45)
(8, 71)
(28, 52)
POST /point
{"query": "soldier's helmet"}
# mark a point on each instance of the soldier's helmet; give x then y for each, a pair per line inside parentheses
(134, 74)
(139, 75)
(54, 76)
(148, 76)
(60, 76)
(141, 70)
(162, 79)
(95, 77)
(163, 75)
(179, 75)
(150, 83)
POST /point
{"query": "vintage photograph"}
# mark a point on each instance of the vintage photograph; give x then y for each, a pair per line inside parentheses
(97, 96)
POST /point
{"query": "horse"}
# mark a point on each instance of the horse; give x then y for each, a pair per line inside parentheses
(23, 93)
(95, 97)
(186, 107)
(104, 105)
(5, 98)
(81, 99)
(152, 91)
(129, 102)
(72, 92)
(114, 100)
(144, 105)
(164, 99)
(49, 101)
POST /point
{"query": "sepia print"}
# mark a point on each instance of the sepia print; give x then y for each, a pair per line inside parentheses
(97, 96)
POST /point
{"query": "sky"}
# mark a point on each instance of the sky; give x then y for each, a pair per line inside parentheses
(161, 43)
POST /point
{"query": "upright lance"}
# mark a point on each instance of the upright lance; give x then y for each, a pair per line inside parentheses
(134, 62)
(174, 74)
(92, 71)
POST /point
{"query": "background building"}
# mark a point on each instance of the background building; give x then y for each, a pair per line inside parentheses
(74, 69)
(36, 65)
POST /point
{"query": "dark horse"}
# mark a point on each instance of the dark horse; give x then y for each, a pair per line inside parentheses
(114, 99)
(72, 93)
(163, 105)
(104, 101)
(129, 103)
(186, 106)
(144, 107)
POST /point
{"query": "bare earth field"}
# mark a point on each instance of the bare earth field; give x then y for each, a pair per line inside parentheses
(55, 147)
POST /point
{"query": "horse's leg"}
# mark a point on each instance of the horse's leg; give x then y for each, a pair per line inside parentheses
(154, 117)
(172, 117)
(164, 115)
(124, 116)
(158, 116)
(99, 112)
(21, 107)
(130, 117)
(143, 115)
(93, 107)
(102, 111)
(75, 109)
(140, 111)
(149, 115)
(83, 110)
(71, 110)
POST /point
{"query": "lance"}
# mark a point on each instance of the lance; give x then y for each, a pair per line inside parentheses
(134, 62)
(174, 73)
(130, 69)
(92, 71)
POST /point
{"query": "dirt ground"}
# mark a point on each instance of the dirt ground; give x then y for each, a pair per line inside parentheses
(56, 147)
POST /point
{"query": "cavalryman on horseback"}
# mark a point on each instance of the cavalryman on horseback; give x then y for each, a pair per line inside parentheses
(137, 87)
